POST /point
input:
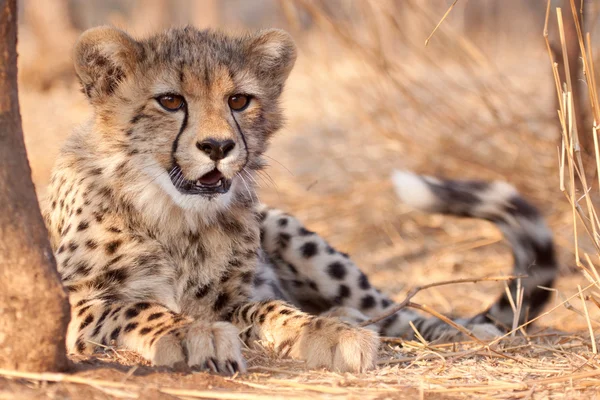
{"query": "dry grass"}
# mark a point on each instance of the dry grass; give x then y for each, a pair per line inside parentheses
(367, 96)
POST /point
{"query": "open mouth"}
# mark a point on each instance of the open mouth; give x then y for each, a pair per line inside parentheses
(211, 183)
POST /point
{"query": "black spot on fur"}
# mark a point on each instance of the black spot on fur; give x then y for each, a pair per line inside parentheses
(83, 225)
(82, 302)
(82, 268)
(309, 249)
(518, 206)
(98, 216)
(243, 313)
(106, 192)
(363, 282)
(221, 301)
(225, 277)
(131, 326)
(114, 335)
(367, 302)
(88, 320)
(154, 316)
(109, 278)
(545, 254)
(202, 291)
(100, 322)
(131, 313)
(112, 247)
(83, 310)
(80, 345)
(385, 303)
(262, 216)
(337, 270)
(270, 308)
(282, 222)
(145, 331)
(116, 311)
(66, 230)
(344, 291)
(247, 276)
(73, 246)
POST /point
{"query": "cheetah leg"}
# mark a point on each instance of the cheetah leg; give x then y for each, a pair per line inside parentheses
(321, 342)
(156, 333)
(312, 272)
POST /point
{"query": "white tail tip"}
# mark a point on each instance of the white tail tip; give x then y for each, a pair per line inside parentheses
(412, 190)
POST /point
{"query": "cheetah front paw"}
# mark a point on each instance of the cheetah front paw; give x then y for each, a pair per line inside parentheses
(332, 344)
(203, 345)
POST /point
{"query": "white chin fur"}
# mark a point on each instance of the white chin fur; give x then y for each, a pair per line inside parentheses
(162, 203)
(412, 191)
(196, 203)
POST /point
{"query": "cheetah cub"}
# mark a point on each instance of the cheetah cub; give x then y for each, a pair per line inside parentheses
(152, 211)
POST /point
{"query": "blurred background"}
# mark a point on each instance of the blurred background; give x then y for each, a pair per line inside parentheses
(366, 96)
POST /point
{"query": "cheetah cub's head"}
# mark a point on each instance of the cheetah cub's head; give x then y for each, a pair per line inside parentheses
(193, 109)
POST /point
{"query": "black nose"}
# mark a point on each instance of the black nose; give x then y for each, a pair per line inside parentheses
(215, 149)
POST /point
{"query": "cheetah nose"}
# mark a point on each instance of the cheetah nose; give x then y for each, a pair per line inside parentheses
(215, 149)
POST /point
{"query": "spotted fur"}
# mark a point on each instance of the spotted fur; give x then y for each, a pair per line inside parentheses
(522, 225)
(151, 266)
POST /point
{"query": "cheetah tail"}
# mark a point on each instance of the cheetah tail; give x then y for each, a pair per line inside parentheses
(520, 222)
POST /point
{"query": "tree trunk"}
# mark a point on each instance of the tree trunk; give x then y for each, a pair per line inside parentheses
(34, 310)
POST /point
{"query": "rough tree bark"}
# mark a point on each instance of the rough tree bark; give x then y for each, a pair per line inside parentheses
(34, 310)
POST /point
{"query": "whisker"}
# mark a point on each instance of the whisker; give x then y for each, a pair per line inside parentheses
(269, 177)
(286, 168)
(247, 188)
(249, 175)
(269, 184)
(274, 185)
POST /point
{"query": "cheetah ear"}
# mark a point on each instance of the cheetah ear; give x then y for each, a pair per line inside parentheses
(272, 53)
(104, 56)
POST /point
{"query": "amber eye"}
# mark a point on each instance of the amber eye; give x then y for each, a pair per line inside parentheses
(238, 102)
(171, 102)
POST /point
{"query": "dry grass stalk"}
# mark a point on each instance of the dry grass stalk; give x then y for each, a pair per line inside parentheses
(439, 23)
(413, 292)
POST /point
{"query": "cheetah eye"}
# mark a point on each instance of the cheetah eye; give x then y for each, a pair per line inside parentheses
(171, 102)
(238, 102)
